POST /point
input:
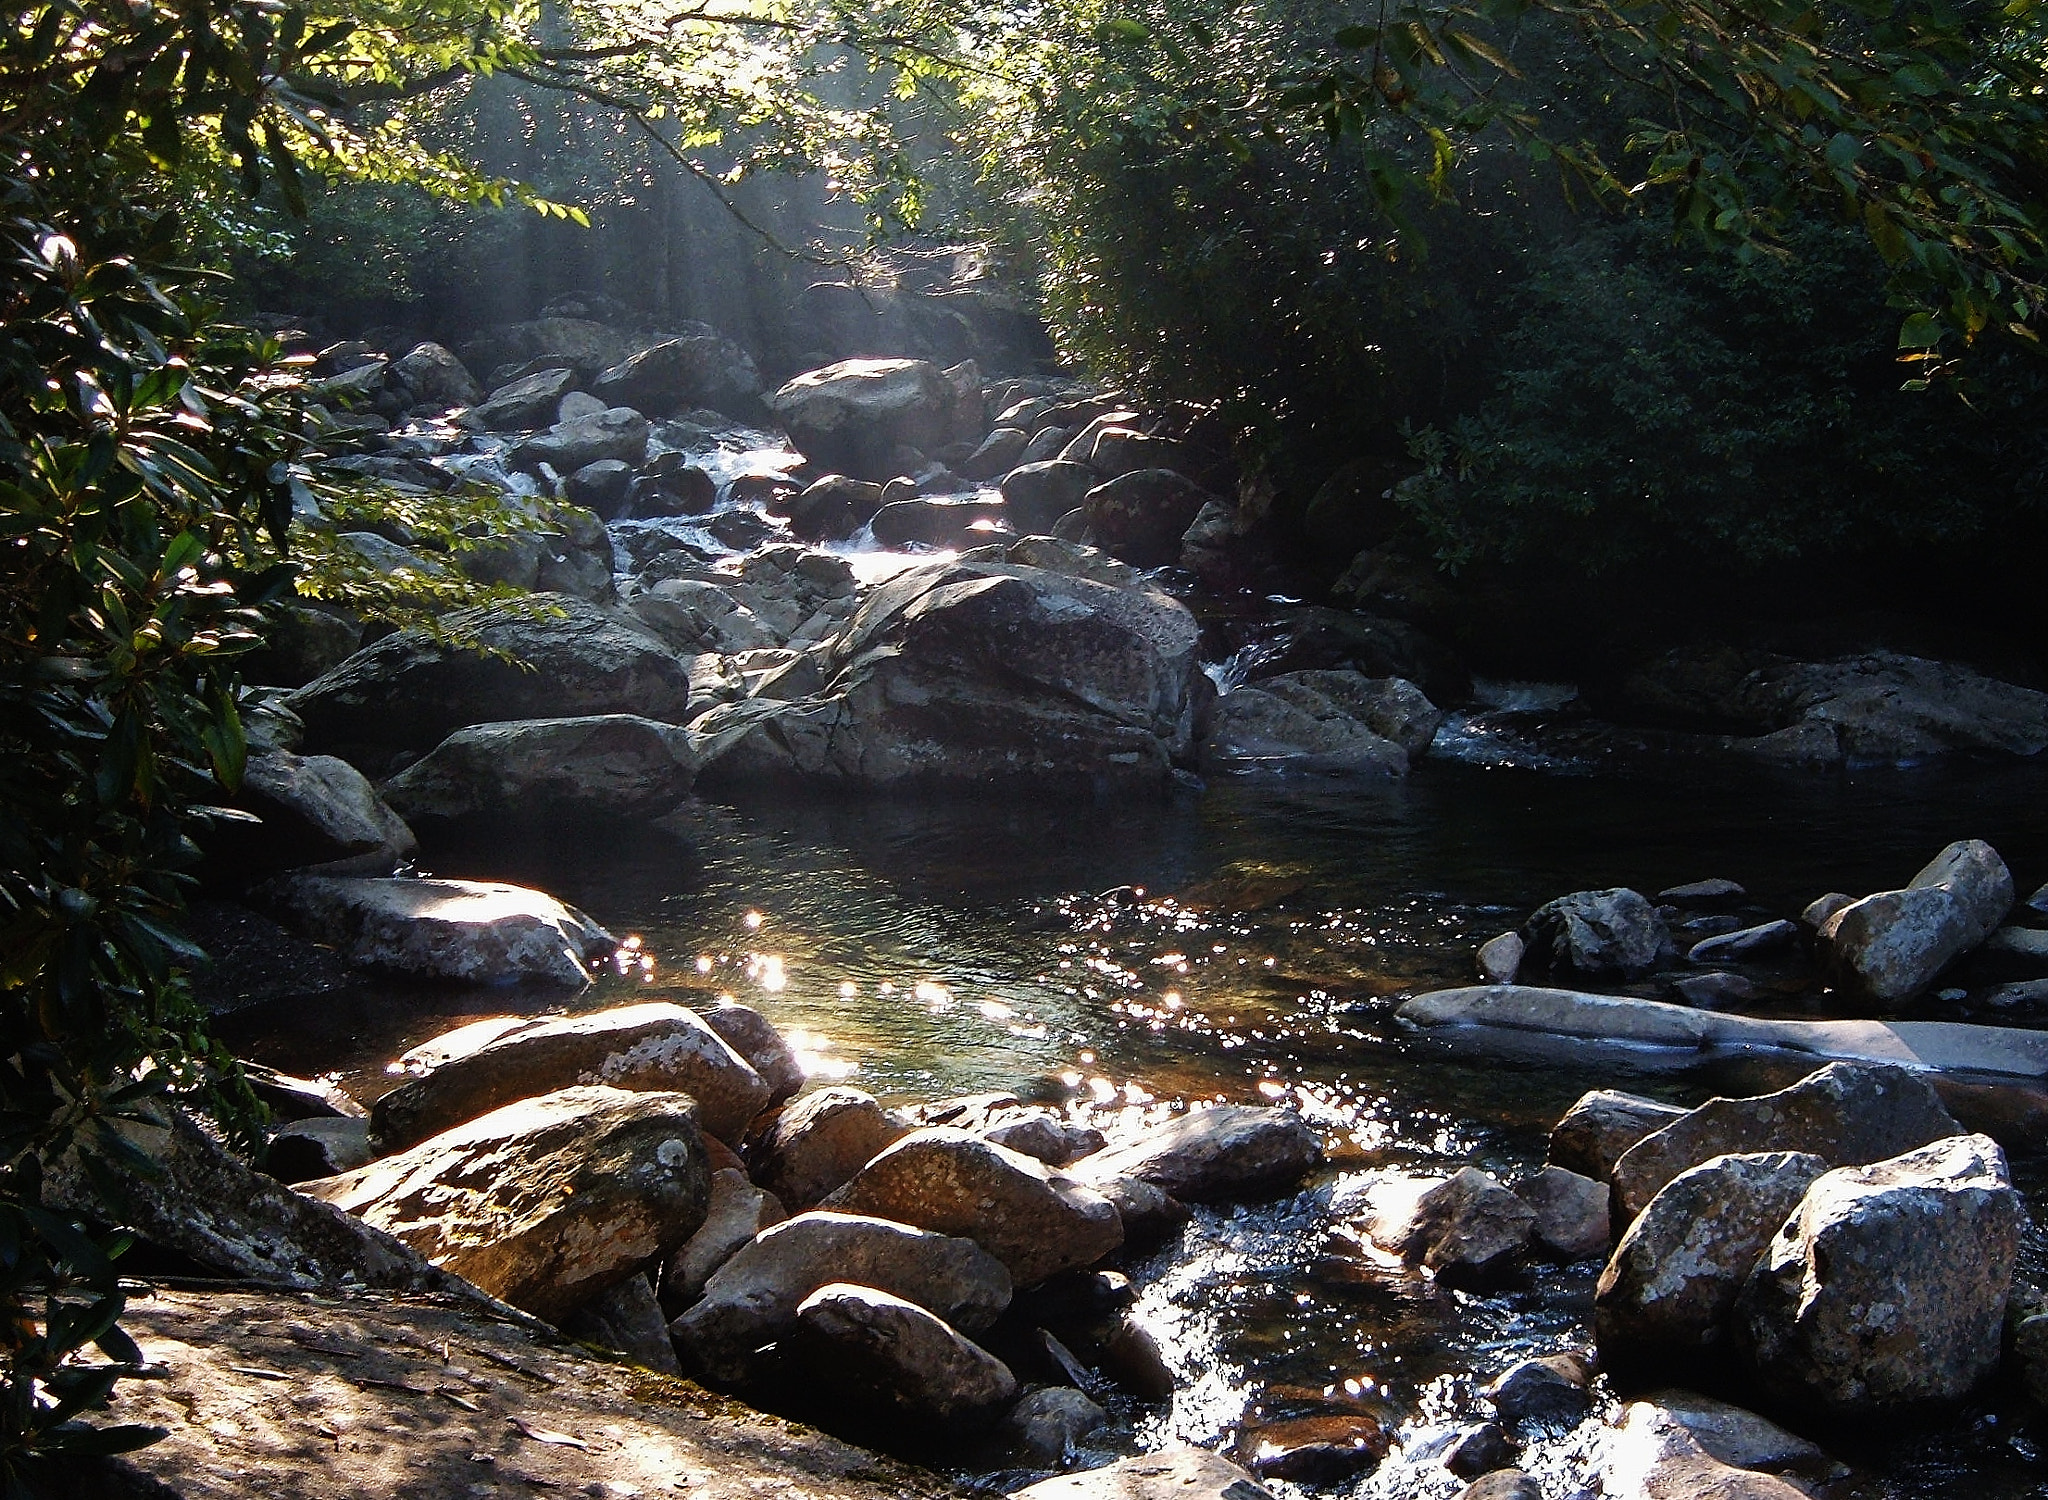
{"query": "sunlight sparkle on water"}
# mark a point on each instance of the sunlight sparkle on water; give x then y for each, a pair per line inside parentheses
(766, 970)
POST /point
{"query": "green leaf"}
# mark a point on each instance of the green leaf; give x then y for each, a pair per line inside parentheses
(1920, 331)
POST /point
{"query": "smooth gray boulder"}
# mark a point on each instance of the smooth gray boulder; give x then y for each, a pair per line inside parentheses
(1848, 1114)
(890, 1358)
(655, 1047)
(1887, 1290)
(819, 1141)
(752, 1299)
(1499, 958)
(677, 375)
(436, 377)
(546, 1203)
(476, 931)
(1746, 943)
(1667, 1293)
(603, 765)
(851, 417)
(1888, 947)
(522, 404)
(319, 814)
(617, 432)
(1141, 515)
(1036, 495)
(561, 658)
(1213, 1155)
(1613, 933)
(1466, 1229)
(1035, 1220)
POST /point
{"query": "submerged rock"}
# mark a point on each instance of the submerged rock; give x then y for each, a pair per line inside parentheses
(545, 1203)
(1887, 1290)
(656, 1047)
(471, 930)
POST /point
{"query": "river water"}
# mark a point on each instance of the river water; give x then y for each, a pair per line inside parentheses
(1247, 942)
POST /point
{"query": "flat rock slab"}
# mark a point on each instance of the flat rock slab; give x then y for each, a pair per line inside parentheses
(478, 931)
(359, 1414)
(1173, 1474)
(1519, 1019)
(1213, 1155)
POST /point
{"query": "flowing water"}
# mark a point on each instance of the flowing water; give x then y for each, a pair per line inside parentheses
(1246, 943)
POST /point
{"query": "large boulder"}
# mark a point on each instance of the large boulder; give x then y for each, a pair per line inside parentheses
(851, 417)
(677, 374)
(1036, 495)
(409, 691)
(1652, 1455)
(1572, 1213)
(521, 405)
(545, 1203)
(436, 378)
(1214, 1155)
(1888, 947)
(1466, 1229)
(1598, 1130)
(577, 342)
(1666, 1294)
(602, 765)
(618, 432)
(657, 1047)
(318, 814)
(818, 1142)
(1887, 1290)
(1036, 1221)
(889, 1359)
(1596, 933)
(969, 674)
(752, 1299)
(1141, 516)
(475, 931)
(766, 1050)
(1335, 721)
(1848, 1114)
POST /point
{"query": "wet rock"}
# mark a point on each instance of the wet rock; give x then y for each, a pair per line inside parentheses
(1652, 1455)
(1131, 1356)
(1034, 1220)
(677, 375)
(521, 406)
(545, 1203)
(1742, 1438)
(1046, 1426)
(1550, 1390)
(934, 523)
(1033, 1129)
(1466, 1228)
(656, 1047)
(476, 931)
(1748, 943)
(1255, 731)
(1502, 1484)
(1480, 1450)
(1171, 1474)
(999, 452)
(890, 1358)
(819, 1141)
(1714, 991)
(1320, 1450)
(1571, 1213)
(305, 1149)
(436, 378)
(1818, 910)
(755, 1038)
(1702, 892)
(209, 1208)
(850, 417)
(1848, 1114)
(2019, 947)
(976, 674)
(600, 766)
(1141, 516)
(605, 488)
(407, 691)
(736, 1213)
(1391, 707)
(1887, 1290)
(753, 1298)
(616, 432)
(1150, 1215)
(741, 530)
(1499, 959)
(1214, 1155)
(1036, 495)
(627, 1318)
(1596, 933)
(1673, 1280)
(288, 1098)
(833, 508)
(2026, 994)
(318, 814)
(1890, 946)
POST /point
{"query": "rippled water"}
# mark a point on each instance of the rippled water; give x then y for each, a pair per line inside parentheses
(1247, 943)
